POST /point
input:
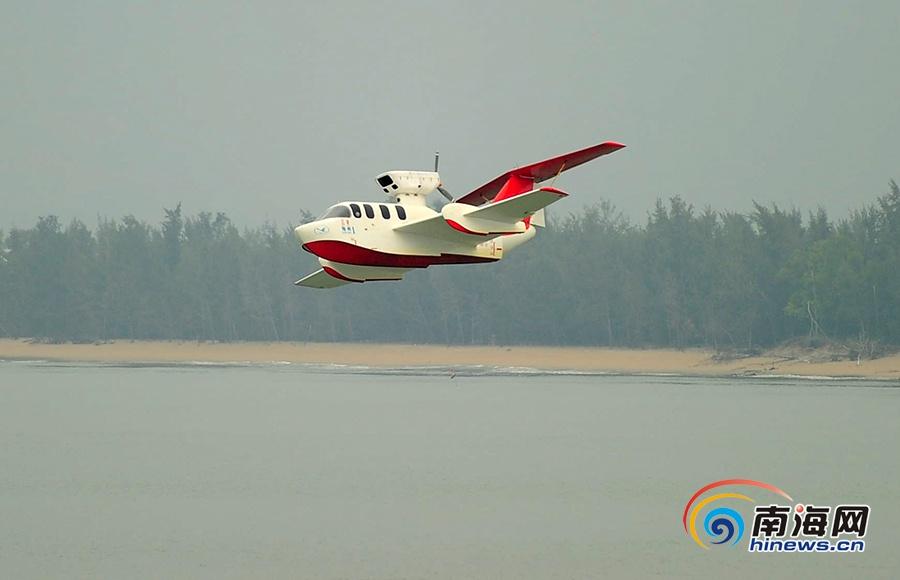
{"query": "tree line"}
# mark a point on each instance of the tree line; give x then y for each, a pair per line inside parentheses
(685, 277)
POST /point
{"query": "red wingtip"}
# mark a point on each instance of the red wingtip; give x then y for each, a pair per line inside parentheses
(556, 191)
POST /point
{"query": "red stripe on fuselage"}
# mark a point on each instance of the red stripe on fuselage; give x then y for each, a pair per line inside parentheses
(358, 256)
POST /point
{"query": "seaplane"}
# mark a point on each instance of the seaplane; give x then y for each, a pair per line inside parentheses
(364, 241)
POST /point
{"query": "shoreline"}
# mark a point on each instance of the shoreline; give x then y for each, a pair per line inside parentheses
(688, 362)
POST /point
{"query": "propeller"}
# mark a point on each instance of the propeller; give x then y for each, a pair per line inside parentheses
(440, 186)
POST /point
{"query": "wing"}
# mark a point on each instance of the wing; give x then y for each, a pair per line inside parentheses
(464, 224)
(517, 208)
(540, 171)
(437, 227)
(320, 279)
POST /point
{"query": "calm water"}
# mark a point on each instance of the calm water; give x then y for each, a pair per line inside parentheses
(292, 472)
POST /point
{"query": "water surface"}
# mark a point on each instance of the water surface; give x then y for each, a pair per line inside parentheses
(290, 471)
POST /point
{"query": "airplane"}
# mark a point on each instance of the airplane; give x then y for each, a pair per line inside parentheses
(361, 241)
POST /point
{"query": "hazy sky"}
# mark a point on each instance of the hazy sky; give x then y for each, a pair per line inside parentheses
(261, 108)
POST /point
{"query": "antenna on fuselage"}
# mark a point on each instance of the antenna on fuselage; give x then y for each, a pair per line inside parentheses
(440, 187)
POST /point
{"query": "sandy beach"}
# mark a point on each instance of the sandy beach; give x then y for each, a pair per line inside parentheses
(689, 362)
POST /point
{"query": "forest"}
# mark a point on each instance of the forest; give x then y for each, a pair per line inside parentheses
(684, 277)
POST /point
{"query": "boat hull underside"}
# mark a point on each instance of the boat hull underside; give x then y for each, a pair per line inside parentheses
(351, 254)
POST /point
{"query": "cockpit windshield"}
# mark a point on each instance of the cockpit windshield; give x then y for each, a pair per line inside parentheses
(336, 211)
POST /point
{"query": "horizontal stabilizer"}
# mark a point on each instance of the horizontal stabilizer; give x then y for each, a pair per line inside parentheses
(321, 279)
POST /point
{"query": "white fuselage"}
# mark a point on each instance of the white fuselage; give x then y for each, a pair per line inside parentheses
(358, 240)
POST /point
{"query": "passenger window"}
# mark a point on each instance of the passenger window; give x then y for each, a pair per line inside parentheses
(385, 212)
(370, 213)
(355, 209)
(401, 212)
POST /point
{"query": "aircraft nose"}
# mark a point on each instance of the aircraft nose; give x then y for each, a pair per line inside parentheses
(303, 233)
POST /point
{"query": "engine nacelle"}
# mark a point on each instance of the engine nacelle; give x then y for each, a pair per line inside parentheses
(409, 186)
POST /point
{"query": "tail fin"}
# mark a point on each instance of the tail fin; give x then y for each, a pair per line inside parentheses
(538, 219)
(523, 179)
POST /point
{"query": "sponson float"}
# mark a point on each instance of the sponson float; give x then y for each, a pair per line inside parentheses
(361, 241)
